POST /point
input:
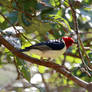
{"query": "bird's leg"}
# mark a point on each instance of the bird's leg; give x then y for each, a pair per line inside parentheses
(48, 60)
(51, 60)
(41, 58)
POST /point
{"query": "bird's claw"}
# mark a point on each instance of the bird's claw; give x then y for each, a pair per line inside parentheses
(48, 60)
(51, 60)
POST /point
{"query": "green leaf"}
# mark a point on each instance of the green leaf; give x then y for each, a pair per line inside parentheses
(42, 69)
(66, 2)
(37, 25)
(55, 3)
(1, 19)
(22, 66)
(5, 2)
(52, 2)
(61, 21)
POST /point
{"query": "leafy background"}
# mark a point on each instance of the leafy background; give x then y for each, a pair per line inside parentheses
(25, 22)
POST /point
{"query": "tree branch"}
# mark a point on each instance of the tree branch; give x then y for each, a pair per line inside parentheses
(79, 42)
(52, 65)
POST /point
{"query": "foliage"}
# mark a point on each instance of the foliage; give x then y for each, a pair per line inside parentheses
(32, 21)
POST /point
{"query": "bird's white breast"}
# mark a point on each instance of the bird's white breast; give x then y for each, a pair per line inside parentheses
(49, 53)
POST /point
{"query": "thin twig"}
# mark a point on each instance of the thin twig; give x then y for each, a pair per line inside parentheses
(9, 22)
(79, 42)
(16, 30)
(46, 86)
(18, 77)
(84, 51)
(63, 63)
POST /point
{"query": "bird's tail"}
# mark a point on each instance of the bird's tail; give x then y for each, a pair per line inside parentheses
(25, 49)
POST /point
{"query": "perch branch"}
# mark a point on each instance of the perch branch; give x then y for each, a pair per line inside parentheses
(52, 65)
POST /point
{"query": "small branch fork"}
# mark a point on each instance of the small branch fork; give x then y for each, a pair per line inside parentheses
(79, 42)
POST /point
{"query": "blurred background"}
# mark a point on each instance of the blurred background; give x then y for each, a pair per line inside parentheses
(26, 22)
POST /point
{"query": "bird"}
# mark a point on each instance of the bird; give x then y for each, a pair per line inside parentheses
(50, 48)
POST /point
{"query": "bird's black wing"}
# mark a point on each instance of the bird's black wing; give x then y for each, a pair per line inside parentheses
(56, 44)
(48, 45)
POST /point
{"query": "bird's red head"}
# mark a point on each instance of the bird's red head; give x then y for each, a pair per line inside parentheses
(68, 41)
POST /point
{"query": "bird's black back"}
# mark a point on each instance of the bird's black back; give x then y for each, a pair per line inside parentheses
(47, 45)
